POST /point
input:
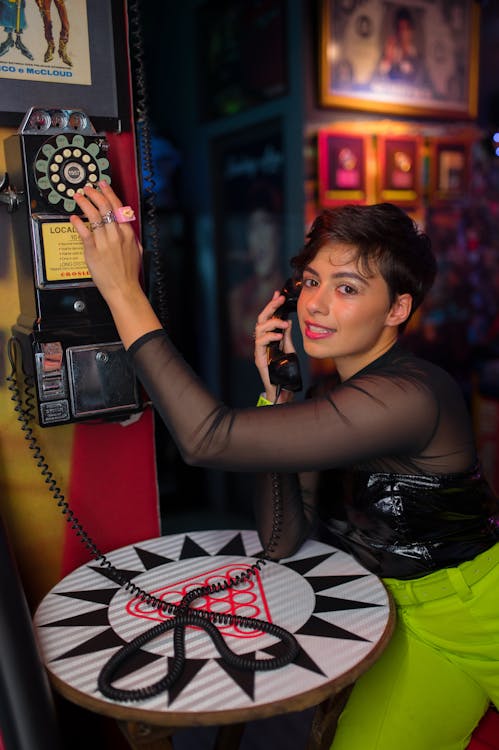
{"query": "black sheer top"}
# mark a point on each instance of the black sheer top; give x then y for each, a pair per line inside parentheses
(402, 426)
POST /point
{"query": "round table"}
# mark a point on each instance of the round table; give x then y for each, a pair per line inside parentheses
(340, 614)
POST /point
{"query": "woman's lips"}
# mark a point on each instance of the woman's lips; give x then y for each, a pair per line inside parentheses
(314, 331)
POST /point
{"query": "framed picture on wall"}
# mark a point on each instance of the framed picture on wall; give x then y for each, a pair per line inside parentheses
(56, 60)
(242, 55)
(449, 169)
(342, 168)
(399, 168)
(249, 179)
(412, 58)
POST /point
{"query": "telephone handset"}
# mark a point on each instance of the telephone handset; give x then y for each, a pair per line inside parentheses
(284, 369)
(71, 351)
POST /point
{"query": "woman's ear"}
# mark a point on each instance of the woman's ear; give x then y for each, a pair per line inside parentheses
(400, 310)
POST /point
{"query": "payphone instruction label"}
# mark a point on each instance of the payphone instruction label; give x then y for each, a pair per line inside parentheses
(63, 254)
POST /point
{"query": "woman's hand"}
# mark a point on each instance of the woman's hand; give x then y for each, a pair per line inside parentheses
(269, 329)
(112, 252)
(113, 256)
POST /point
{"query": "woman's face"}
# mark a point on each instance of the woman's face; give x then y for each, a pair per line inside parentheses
(344, 313)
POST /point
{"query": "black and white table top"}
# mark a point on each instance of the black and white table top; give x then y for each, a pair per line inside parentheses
(338, 611)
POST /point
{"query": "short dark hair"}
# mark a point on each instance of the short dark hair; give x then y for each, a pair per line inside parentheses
(383, 234)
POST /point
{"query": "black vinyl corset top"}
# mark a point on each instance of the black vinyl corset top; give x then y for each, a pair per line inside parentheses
(404, 525)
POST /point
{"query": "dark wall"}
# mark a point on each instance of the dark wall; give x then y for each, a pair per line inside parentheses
(171, 32)
(172, 35)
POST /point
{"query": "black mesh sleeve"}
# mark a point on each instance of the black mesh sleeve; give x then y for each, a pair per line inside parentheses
(391, 412)
(400, 414)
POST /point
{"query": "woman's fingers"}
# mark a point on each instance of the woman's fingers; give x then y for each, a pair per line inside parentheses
(269, 331)
(271, 307)
(109, 194)
(98, 206)
(268, 328)
(93, 204)
(81, 227)
(102, 199)
(98, 202)
(112, 251)
(288, 345)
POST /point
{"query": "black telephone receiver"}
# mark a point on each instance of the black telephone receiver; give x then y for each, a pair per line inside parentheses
(284, 369)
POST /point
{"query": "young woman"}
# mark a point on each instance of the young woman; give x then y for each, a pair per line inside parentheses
(420, 514)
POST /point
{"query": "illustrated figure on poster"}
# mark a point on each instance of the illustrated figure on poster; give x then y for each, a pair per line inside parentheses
(263, 237)
(44, 7)
(401, 59)
(13, 20)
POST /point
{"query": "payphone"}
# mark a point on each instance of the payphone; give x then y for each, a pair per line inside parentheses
(69, 344)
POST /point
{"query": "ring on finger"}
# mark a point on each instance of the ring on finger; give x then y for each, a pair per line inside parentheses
(109, 217)
(96, 224)
(124, 214)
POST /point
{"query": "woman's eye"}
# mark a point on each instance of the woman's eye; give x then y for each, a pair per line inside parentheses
(347, 289)
(310, 282)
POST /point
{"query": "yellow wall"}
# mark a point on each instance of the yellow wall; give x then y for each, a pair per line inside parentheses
(34, 524)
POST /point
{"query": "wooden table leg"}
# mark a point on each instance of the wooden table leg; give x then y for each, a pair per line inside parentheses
(142, 736)
(229, 737)
(325, 720)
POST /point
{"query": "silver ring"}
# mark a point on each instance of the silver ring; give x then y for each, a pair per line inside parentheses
(108, 217)
(96, 224)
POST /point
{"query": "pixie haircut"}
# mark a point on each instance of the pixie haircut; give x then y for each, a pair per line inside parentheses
(383, 237)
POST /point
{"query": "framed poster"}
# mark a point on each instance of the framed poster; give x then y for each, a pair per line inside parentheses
(411, 58)
(399, 168)
(342, 168)
(242, 55)
(450, 168)
(248, 169)
(64, 56)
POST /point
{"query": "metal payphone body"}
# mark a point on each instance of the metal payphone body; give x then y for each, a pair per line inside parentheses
(70, 346)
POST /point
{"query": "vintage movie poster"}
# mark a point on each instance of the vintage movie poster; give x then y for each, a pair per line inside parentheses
(45, 40)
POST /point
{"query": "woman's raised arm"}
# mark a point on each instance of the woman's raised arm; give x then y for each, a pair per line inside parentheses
(113, 256)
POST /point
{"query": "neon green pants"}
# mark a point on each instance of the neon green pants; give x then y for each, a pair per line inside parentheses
(438, 674)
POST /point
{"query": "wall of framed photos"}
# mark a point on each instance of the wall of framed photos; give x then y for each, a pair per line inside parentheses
(413, 165)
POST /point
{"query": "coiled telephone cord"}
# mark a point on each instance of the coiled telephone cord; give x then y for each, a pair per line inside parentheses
(182, 614)
(146, 163)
